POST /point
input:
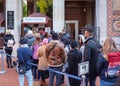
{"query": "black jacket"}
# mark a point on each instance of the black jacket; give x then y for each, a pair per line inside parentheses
(24, 55)
(7, 37)
(91, 53)
(74, 57)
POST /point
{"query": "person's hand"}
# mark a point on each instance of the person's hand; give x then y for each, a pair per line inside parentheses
(118, 73)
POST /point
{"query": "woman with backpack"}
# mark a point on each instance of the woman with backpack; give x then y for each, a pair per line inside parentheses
(9, 43)
(108, 48)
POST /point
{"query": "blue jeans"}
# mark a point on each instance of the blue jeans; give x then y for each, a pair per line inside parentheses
(29, 77)
(104, 83)
(53, 74)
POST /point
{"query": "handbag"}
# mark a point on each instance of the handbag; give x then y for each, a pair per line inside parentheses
(10, 43)
(22, 67)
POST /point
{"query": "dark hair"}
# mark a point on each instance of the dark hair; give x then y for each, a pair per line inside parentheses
(89, 30)
(54, 36)
(23, 40)
(73, 44)
(52, 31)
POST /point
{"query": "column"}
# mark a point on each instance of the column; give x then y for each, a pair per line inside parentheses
(17, 10)
(102, 19)
(58, 15)
(97, 19)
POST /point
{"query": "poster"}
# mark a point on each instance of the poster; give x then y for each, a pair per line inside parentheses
(10, 20)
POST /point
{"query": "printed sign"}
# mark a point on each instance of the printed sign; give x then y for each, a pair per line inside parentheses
(10, 19)
(83, 68)
(34, 19)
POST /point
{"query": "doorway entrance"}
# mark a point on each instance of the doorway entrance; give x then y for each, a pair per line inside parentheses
(73, 25)
(81, 12)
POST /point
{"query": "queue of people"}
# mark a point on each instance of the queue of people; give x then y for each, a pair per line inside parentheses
(58, 52)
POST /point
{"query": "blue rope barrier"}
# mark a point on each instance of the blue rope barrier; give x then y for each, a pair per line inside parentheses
(62, 73)
(49, 69)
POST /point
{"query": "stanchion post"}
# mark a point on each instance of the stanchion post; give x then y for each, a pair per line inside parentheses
(83, 82)
(2, 63)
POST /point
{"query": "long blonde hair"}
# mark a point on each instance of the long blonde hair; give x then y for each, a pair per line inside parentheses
(108, 47)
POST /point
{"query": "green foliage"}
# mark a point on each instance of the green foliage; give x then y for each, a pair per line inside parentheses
(24, 9)
(45, 7)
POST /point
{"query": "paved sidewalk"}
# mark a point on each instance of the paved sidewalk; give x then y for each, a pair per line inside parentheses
(10, 78)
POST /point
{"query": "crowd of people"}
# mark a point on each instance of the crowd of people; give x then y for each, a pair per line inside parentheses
(60, 53)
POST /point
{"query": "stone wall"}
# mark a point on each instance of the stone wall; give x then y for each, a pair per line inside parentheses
(113, 18)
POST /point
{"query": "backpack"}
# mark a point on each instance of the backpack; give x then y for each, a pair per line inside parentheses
(10, 43)
(114, 64)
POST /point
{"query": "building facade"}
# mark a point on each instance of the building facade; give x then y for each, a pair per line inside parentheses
(103, 15)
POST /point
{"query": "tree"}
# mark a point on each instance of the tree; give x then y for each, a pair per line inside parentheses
(24, 9)
(45, 7)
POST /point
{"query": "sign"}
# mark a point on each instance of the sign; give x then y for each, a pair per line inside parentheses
(10, 19)
(34, 19)
(47, 29)
(83, 68)
(116, 25)
(116, 7)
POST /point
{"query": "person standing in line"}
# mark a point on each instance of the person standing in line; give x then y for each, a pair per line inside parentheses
(36, 45)
(55, 54)
(74, 58)
(81, 44)
(9, 43)
(30, 36)
(65, 66)
(91, 53)
(42, 72)
(24, 55)
(109, 46)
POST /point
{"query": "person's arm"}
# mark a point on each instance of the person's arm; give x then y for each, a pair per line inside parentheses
(87, 53)
(70, 62)
(19, 56)
(100, 63)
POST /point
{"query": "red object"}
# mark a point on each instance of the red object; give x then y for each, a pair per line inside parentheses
(114, 58)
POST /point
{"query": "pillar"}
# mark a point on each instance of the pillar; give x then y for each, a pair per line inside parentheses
(102, 18)
(17, 10)
(58, 15)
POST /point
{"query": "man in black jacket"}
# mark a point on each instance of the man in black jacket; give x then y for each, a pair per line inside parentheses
(90, 54)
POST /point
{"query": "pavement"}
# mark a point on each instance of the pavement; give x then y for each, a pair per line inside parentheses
(10, 77)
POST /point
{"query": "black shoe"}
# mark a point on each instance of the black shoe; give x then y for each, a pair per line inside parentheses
(8, 66)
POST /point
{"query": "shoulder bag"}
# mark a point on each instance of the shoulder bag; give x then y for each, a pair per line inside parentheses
(22, 67)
